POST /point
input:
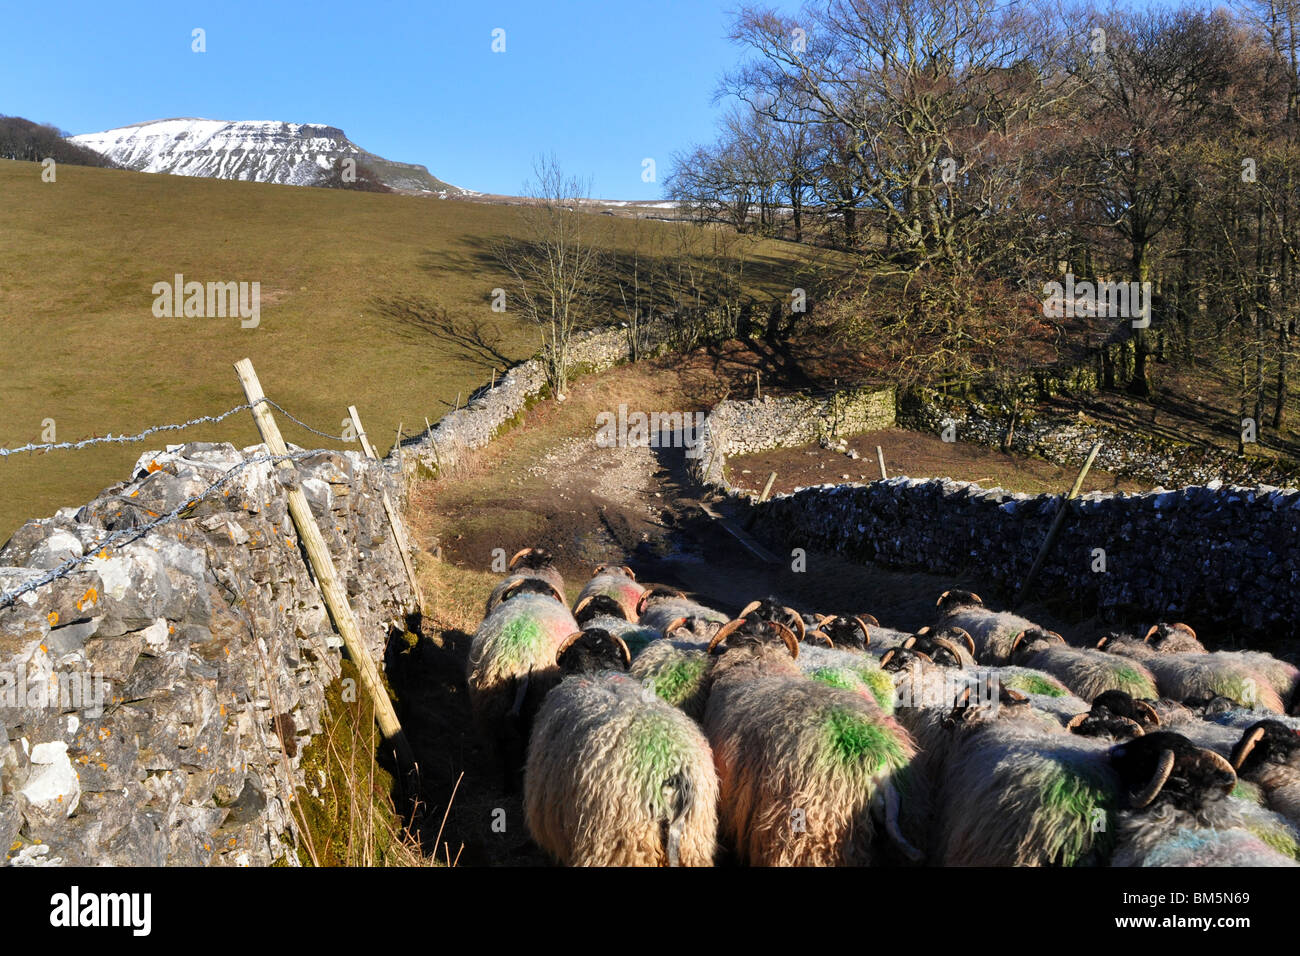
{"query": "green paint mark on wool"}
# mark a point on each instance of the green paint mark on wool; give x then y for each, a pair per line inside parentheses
(1133, 682)
(520, 638)
(1035, 684)
(638, 640)
(1235, 687)
(680, 679)
(1249, 792)
(881, 685)
(656, 756)
(858, 741)
(1277, 839)
(1078, 804)
(835, 677)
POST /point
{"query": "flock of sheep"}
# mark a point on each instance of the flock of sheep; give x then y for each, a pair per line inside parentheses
(651, 730)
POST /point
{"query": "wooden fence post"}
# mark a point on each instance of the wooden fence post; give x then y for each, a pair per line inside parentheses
(1056, 526)
(336, 599)
(880, 456)
(394, 522)
(767, 488)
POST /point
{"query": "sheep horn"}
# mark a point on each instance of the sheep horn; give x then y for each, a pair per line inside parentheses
(1222, 763)
(1164, 768)
(1185, 628)
(674, 625)
(1057, 636)
(1078, 719)
(724, 632)
(515, 560)
(861, 621)
(629, 572)
(923, 631)
(800, 628)
(622, 646)
(510, 590)
(950, 647)
(787, 635)
(622, 611)
(1148, 710)
(1101, 645)
(1154, 629)
(750, 608)
(821, 636)
(1017, 641)
(566, 644)
(887, 657)
(895, 832)
(1245, 745)
(966, 639)
(909, 643)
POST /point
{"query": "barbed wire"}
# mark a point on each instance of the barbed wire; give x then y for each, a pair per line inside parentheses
(178, 426)
(127, 535)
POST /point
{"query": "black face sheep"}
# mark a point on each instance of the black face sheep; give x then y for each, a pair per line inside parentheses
(1086, 671)
(992, 631)
(1116, 715)
(530, 563)
(615, 582)
(800, 764)
(1268, 755)
(511, 666)
(659, 607)
(602, 611)
(767, 609)
(849, 633)
(615, 776)
(948, 646)
(1201, 676)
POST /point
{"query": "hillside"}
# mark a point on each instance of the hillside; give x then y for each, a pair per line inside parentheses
(352, 285)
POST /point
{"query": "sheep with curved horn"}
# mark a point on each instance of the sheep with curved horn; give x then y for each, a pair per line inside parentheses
(1086, 671)
(805, 769)
(1186, 676)
(992, 631)
(511, 666)
(616, 582)
(615, 776)
(661, 606)
(1268, 755)
(604, 612)
(767, 609)
(529, 563)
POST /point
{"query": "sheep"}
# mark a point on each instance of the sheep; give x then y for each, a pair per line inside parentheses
(847, 632)
(992, 631)
(659, 607)
(800, 764)
(1199, 676)
(853, 670)
(1015, 796)
(949, 646)
(1117, 715)
(615, 582)
(767, 609)
(1268, 755)
(511, 666)
(604, 612)
(673, 667)
(530, 563)
(1086, 671)
(615, 776)
(1250, 678)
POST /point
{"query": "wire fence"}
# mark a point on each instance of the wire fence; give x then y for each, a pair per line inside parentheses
(125, 536)
(156, 429)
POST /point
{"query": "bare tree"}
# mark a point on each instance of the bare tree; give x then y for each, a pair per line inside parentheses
(555, 263)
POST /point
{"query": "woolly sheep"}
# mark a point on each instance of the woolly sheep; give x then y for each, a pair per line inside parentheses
(800, 764)
(992, 631)
(511, 666)
(616, 583)
(1268, 755)
(674, 669)
(605, 613)
(1199, 676)
(528, 564)
(661, 608)
(1086, 671)
(615, 776)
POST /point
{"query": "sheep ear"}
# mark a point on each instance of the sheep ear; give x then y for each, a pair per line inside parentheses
(1249, 740)
(724, 632)
(866, 631)
(800, 628)
(566, 644)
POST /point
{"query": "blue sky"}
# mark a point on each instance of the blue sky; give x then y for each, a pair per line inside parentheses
(602, 84)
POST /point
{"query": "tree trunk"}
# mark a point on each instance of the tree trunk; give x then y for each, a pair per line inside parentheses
(1283, 393)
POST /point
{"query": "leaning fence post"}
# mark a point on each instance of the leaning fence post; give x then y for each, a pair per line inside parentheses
(322, 564)
(1056, 525)
(394, 522)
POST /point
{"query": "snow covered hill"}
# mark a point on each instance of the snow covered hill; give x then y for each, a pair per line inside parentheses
(263, 151)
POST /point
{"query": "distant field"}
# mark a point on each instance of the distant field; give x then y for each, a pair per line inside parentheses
(79, 257)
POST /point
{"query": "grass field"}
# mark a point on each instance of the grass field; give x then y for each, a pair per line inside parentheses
(348, 283)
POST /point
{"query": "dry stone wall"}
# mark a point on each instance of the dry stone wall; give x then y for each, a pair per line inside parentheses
(154, 702)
